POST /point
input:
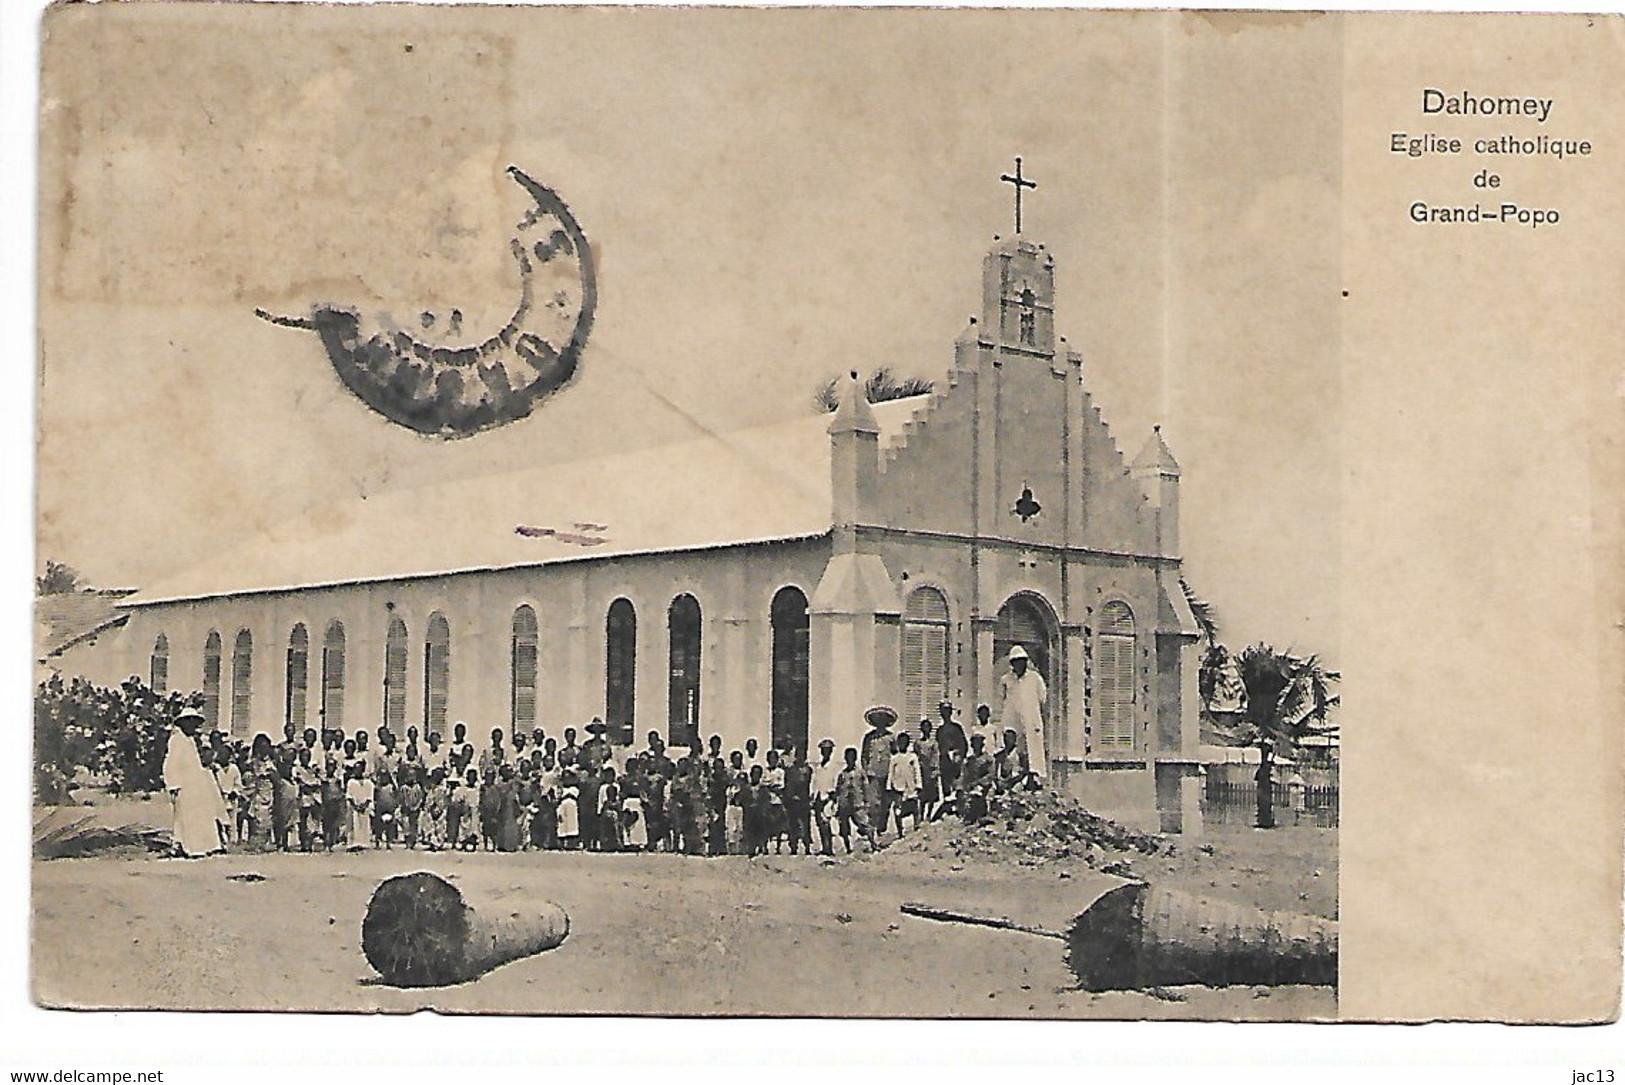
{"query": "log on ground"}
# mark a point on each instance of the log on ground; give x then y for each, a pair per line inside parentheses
(1137, 936)
(419, 931)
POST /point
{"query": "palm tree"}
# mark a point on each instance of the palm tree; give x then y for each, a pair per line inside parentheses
(1285, 699)
(880, 387)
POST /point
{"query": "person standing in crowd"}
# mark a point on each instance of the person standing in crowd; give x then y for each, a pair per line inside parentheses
(386, 806)
(1022, 696)
(754, 811)
(984, 721)
(507, 827)
(771, 796)
(657, 802)
(432, 820)
(544, 822)
(193, 793)
(229, 778)
(493, 755)
(752, 754)
(798, 802)
(681, 800)
(490, 809)
(975, 781)
(877, 751)
(903, 783)
(285, 810)
(434, 754)
(825, 775)
(308, 779)
(930, 755)
(570, 753)
(952, 746)
(719, 788)
(334, 815)
(609, 810)
(569, 814)
(259, 791)
(459, 810)
(633, 820)
(595, 753)
(852, 802)
(590, 783)
(461, 752)
(412, 800)
(358, 801)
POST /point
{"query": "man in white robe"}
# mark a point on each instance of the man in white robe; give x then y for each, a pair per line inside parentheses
(1022, 697)
(192, 789)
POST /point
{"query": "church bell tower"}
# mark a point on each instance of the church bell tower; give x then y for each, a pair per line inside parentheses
(1018, 287)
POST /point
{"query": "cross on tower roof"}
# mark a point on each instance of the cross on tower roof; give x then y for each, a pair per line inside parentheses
(1020, 183)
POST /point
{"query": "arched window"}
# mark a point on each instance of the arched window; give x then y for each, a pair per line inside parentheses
(526, 649)
(159, 674)
(683, 626)
(211, 681)
(788, 616)
(925, 655)
(242, 682)
(333, 677)
(293, 705)
(621, 666)
(1114, 678)
(395, 652)
(436, 675)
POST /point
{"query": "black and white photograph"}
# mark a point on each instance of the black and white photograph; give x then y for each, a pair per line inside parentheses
(700, 513)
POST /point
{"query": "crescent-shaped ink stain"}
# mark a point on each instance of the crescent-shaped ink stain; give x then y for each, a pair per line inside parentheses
(458, 391)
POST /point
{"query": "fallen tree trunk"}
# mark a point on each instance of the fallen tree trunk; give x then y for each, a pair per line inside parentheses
(1137, 936)
(420, 932)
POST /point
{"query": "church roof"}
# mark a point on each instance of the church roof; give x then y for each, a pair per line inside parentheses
(768, 484)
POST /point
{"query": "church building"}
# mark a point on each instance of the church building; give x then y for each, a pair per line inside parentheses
(774, 582)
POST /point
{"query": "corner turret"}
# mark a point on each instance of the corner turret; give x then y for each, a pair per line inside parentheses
(1157, 472)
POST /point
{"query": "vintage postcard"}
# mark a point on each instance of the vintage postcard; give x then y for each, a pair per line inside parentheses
(838, 513)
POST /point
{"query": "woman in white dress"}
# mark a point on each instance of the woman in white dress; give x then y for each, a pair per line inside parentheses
(192, 789)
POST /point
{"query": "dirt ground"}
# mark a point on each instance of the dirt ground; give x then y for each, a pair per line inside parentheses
(650, 934)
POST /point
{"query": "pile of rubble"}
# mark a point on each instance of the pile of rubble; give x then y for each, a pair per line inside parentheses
(1032, 827)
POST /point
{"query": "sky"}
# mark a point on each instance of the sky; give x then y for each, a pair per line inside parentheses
(772, 198)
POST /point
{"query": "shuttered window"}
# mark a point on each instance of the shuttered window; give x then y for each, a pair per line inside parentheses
(436, 675)
(522, 668)
(1114, 679)
(621, 666)
(293, 706)
(791, 649)
(683, 694)
(925, 655)
(333, 677)
(242, 683)
(395, 652)
(211, 680)
(160, 665)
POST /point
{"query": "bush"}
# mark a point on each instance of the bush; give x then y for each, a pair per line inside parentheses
(116, 733)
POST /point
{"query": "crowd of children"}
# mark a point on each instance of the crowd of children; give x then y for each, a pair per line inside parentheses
(315, 792)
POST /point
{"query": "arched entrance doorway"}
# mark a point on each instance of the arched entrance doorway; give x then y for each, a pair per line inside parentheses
(791, 645)
(1026, 619)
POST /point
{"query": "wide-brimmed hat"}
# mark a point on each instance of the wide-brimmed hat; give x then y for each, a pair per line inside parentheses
(190, 714)
(826, 744)
(1018, 652)
(597, 727)
(880, 716)
(945, 703)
